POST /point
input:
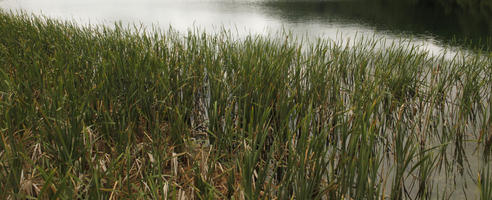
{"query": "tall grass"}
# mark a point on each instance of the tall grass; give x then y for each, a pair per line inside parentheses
(123, 112)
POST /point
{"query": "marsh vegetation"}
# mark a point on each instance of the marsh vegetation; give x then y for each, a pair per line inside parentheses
(97, 112)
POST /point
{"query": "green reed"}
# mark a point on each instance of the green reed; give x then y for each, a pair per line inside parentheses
(126, 112)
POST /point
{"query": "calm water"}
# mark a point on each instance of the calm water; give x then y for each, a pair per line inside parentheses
(329, 19)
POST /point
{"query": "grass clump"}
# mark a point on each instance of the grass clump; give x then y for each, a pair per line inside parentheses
(99, 112)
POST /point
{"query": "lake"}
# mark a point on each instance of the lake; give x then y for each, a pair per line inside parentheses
(335, 20)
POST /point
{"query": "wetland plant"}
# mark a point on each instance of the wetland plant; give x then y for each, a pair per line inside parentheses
(93, 112)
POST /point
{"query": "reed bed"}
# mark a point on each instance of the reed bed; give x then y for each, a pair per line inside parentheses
(96, 112)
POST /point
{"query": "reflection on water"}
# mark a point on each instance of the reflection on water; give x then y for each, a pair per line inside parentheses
(327, 19)
(392, 17)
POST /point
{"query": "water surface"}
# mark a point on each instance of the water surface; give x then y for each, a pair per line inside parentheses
(327, 19)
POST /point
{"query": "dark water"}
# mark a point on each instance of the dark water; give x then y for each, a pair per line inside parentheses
(448, 27)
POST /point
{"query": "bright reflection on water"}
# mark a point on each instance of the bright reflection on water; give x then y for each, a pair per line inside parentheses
(329, 20)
